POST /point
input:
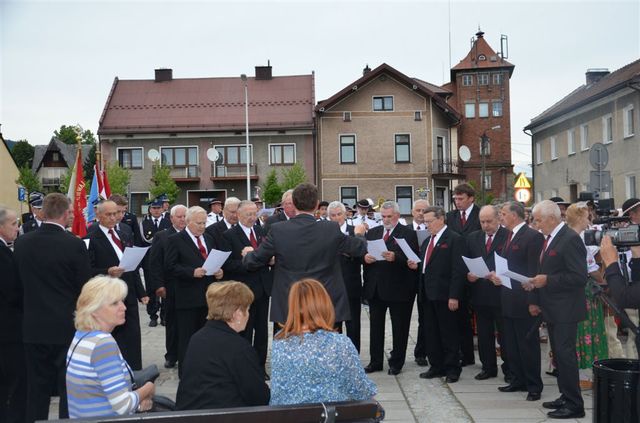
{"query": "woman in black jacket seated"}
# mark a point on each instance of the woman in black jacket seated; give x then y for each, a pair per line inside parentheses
(221, 368)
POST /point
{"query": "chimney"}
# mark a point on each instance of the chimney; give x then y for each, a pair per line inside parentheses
(164, 74)
(366, 70)
(263, 73)
(595, 75)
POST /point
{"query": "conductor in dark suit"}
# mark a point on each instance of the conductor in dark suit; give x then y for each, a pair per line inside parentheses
(561, 280)
(441, 284)
(53, 264)
(519, 307)
(13, 372)
(186, 253)
(288, 212)
(161, 281)
(390, 284)
(229, 220)
(304, 248)
(106, 247)
(248, 234)
(351, 274)
(485, 296)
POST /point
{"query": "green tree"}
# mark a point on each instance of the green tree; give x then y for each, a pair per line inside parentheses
(293, 176)
(69, 134)
(271, 189)
(163, 183)
(65, 180)
(22, 153)
(118, 178)
(28, 179)
(89, 162)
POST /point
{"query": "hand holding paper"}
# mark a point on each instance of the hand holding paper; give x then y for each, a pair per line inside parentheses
(477, 266)
(215, 260)
(411, 255)
(376, 247)
(131, 258)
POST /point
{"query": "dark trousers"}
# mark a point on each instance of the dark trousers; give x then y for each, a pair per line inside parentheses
(489, 319)
(170, 328)
(465, 315)
(523, 349)
(420, 350)
(563, 345)
(190, 320)
(400, 312)
(13, 383)
(257, 330)
(442, 336)
(129, 339)
(46, 372)
(156, 307)
(353, 325)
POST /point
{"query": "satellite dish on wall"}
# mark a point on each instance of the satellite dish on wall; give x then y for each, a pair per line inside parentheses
(153, 155)
(213, 155)
(464, 153)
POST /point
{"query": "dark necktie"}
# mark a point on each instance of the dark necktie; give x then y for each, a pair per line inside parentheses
(463, 218)
(116, 240)
(508, 244)
(252, 239)
(203, 251)
(488, 244)
(155, 223)
(427, 256)
(544, 247)
(386, 235)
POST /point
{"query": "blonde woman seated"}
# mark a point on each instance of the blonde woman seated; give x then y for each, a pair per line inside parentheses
(221, 368)
(309, 361)
(99, 381)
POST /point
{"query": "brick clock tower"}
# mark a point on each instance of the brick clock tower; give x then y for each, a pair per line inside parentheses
(480, 86)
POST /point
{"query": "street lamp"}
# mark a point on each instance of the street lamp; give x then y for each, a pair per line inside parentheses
(246, 131)
(484, 142)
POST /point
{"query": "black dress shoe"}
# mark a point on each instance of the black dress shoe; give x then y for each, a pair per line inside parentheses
(432, 373)
(153, 323)
(393, 371)
(553, 373)
(421, 361)
(486, 375)
(566, 413)
(370, 368)
(512, 388)
(533, 396)
(557, 403)
(168, 364)
(452, 378)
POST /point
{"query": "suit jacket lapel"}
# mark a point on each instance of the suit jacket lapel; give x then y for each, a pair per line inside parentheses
(187, 239)
(107, 243)
(555, 241)
(442, 240)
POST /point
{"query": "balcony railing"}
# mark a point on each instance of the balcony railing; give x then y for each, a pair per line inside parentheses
(445, 168)
(230, 172)
(50, 182)
(185, 173)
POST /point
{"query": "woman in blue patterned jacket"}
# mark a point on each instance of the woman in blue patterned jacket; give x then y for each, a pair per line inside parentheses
(310, 362)
(98, 379)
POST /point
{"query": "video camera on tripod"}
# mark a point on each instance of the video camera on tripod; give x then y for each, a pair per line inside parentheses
(623, 234)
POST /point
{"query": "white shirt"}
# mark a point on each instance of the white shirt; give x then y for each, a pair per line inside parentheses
(195, 239)
(229, 225)
(517, 228)
(553, 234)
(343, 228)
(418, 226)
(117, 249)
(435, 237)
(467, 212)
(213, 218)
(247, 232)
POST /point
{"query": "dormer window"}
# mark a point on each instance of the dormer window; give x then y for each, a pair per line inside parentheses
(482, 58)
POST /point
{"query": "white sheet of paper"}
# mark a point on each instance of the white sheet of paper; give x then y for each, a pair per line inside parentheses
(132, 257)
(215, 260)
(422, 235)
(516, 276)
(476, 266)
(86, 242)
(501, 267)
(376, 248)
(411, 255)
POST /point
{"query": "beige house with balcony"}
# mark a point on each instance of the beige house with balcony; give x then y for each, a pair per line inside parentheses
(387, 136)
(183, 118)
(53, 161)
(603, 110)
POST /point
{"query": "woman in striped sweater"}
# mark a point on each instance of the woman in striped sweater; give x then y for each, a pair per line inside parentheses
(98, 379)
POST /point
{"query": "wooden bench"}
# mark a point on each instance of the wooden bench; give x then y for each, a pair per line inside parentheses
(352, 412)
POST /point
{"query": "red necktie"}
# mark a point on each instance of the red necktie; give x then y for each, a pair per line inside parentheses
(508, 244)
(203, 251)
(252, 239)
(427, 256)
(544, 247)
(116, 240)
(463, 218)
(488, 244)
(386, 235)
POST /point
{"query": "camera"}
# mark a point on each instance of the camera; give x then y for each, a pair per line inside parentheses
(622, 234)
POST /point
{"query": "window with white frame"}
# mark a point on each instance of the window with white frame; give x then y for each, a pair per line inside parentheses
(179, 156)
(487, 148)
(554, 149)
(282, 154)
(467, 80)
(349, 196)
(539, 152)
(630, 186)
(584, 137)
(347, 149)
(487, 180)
(607, 129)
(483, 79)
(497, 79)
(483, 109)
(628, 121)
(130, 158)
(571, 141)
(470, 110)
(404, 198)
(417, 115)
(383, 103)
(496, 107)
(403, 148)
(234, 155)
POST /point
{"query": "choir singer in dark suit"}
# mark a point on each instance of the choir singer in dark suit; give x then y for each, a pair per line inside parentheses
(485, 296)
(304, 248)
(561, 280)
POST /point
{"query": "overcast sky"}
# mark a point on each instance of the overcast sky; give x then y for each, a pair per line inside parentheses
(58, 59)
